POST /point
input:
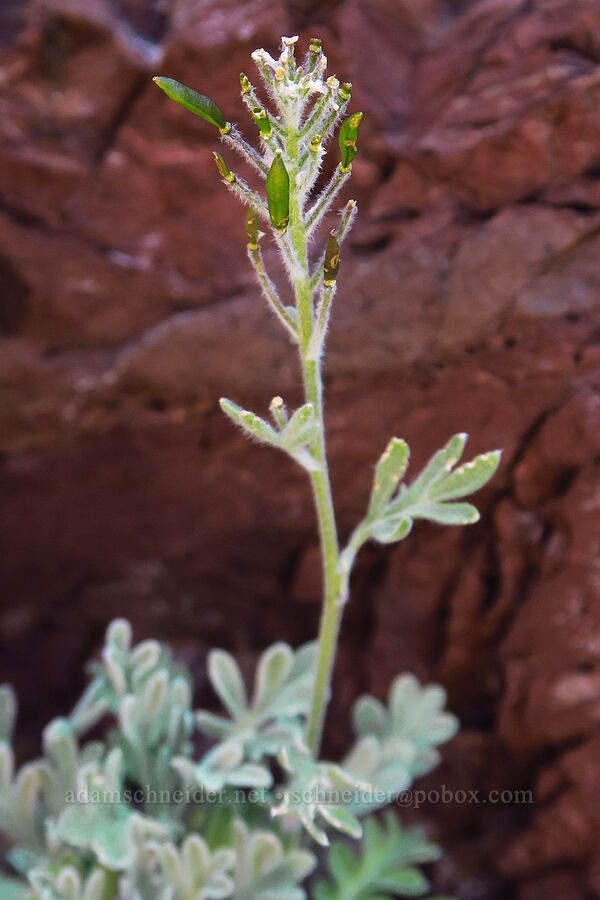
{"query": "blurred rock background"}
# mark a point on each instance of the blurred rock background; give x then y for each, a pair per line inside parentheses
(469, 300)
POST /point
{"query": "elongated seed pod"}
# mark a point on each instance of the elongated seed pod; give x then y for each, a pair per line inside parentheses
(347, 139)
(332, 260)
(252, 228)
(278, 194)
(224, 172)
(197, 103)
(261, 119)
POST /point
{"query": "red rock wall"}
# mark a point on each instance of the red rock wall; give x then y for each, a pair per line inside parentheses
(469, 301)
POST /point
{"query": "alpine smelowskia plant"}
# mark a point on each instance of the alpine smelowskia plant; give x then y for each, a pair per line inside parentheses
(139, 815)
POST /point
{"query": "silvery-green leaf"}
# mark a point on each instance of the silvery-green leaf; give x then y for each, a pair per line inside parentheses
(7, 767)
(227, 681)
(439, 464)
(95, 885)
(144, 657)
(446, 513)
(102, 828)
(8, 712)
(342, 820)
(301, 428)
(401, 741)
(196, 858)
(364, 758)
(114, 669)
(388, 474)
(154, 695)
(249, 422)
(369, 715)
(68, 883)
(173, 867)
(467, 478)
(118, 635)
(390, 530)
(11, 889)
(273, 668)
(213, 726)
(251, 776)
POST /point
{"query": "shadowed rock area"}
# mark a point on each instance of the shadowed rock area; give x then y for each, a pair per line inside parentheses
(469, 300)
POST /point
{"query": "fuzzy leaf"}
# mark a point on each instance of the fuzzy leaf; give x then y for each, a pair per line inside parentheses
(397, 744)
(391, 512)
(197, 103)
(468, 478)
(282, 694)
(8, 712)
(273, 668)
(389, 472)
(389, 531)
(11, 889)
(385, 868)
(227, 680)
(446, 513)
(301, 428)
(249, 422)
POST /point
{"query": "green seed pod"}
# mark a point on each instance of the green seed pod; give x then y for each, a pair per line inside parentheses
(347, 139)
(278, 194)
(200, 105)
(261, 119)
(332, 260)
(245, 83)
(224, 172)
(252, 228)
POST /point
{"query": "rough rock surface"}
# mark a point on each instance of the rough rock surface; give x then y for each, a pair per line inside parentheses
(470, 299)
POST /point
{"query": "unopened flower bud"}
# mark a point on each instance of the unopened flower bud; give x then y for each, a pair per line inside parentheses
(315, 142)
(245, 83)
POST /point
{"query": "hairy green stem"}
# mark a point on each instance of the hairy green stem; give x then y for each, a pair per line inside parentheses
(333, 585)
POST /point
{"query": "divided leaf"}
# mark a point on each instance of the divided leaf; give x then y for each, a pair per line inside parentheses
(253, 425)
(293, 437)
(392, 510)
(387, 864)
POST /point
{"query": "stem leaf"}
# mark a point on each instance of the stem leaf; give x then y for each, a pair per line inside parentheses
(253, 425)
(197, 103)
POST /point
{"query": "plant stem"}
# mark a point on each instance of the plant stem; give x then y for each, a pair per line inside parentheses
(333, 590)
(334, 586)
